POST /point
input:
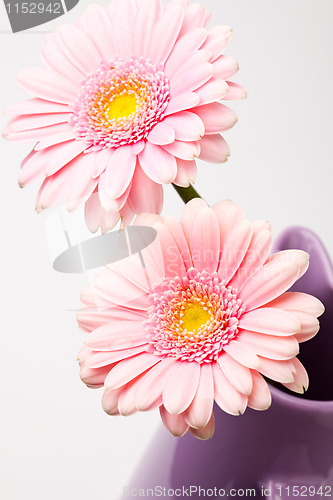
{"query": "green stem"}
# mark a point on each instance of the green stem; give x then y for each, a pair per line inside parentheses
(187, 193)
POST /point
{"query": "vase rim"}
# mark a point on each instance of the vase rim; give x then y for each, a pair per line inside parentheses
(297, 402)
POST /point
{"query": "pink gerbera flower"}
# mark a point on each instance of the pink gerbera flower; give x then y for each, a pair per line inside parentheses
(205, 318)
(125, 103)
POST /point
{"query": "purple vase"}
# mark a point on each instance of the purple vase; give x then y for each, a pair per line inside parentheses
(283, 452)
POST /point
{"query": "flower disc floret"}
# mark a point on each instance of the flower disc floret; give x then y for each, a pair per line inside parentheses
(193, 317)
(120, 103)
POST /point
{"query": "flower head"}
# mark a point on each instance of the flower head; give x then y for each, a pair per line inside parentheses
(203, 321)
(125, 103)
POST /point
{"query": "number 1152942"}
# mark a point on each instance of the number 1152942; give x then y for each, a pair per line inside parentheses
(34, 8)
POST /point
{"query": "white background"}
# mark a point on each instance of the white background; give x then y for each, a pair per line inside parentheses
(57, 443)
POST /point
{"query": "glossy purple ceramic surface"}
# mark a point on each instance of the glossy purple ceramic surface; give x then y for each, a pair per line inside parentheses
(288, 446)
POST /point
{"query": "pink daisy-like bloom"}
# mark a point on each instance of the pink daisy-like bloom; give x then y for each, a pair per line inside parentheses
(125, 103)
(203, 321)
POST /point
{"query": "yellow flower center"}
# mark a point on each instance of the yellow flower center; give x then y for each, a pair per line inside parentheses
(194, 317)
(122, 106)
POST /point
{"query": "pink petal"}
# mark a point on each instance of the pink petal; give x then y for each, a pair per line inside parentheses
(205, 241)
(35, 107)
(187, 126)
(270, 321)
(31, 174)
(27, 122)
(173, 261)
(145, 195)
(309, 326)
(194, 60)
(255, 257)
(200, 410)
(238, 375)
(216, 41)
(36, 134)
(126, 400)
(227, 397)
(117, 335)
(178, 235)
(100, 359)
(79, 49)
(180, 102)
(138, 147)
(189, 214)
(157, 164)
(122, 291)
(99, 160)
(216, 117)
(82, 356)
(226, 30)
(50, 160)
(119, 171)
(183, 49)
(110, 401)
(52, 140)
(132, 269)
(191, 79)
(214, 149)
(176, 424)
(93, 316)
(128, 369)
(111, 204)
(152, 254)
(66, 186)
(228, 215)
(126, 215)
(80, 184)
(55, 59)
(186, 172)
(93, 378)
(206, 432)
(235, 92)
(298, 301)
(165, 34)
(49, 85)
(99, 29)
(123, 25)
(151, 386)
(214, 90)
(225, 67)
(301, 378)
(96, 216)
(55, 157)
(102, 159)
(162, 134)
(195, 17)
(280, 371)
(293, 256)
(234, 248)
(260, 397)
(243, 354)
(146, 19)
(183, 150)
(268, 283)
(180, 386)
(268, 346)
